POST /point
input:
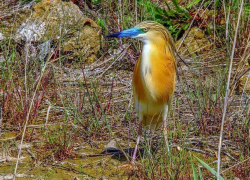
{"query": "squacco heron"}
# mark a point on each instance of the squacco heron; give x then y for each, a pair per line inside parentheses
(154, 76)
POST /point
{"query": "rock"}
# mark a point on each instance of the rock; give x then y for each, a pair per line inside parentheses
(245, 83)
(1, 36)
(12, 21)
(56, 22)
(111, 148)
(194, 42)
(31, 32)
(64, 21)
(112, 144)
(2, 59)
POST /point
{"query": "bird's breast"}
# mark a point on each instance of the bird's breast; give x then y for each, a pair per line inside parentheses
(154, 75)
(146, 71)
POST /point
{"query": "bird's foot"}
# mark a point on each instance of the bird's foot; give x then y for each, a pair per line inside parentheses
(132, 162)
(129, 165)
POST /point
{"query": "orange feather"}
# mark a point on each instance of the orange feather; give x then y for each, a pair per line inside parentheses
(155, 87)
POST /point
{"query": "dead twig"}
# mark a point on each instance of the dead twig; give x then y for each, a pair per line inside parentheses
(227, 91)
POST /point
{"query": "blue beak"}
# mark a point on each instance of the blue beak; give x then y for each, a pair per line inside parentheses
(126, 33)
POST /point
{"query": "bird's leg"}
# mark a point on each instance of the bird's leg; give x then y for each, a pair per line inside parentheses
(137, 142)
(165, 130)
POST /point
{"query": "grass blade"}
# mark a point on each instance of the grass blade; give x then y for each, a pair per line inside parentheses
(193, 3)
(208, 167)
(201, 177)
(193, 168)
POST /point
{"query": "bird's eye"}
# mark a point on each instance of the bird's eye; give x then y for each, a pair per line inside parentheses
(145, 29)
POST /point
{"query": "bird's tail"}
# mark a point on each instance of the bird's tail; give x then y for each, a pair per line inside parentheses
(152, 122)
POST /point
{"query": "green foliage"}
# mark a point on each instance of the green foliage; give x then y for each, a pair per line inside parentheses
(102, 24)
(96, 1)
(247, 10)
(217, 3)
(176, 20)
(208, 167)
(193, 168)
(194, 2)
(27, 1)
(201, 177)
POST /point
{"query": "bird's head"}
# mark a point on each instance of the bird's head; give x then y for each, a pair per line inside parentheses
(145, 31)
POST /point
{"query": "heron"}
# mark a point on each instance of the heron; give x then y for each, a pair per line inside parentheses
(154, 76)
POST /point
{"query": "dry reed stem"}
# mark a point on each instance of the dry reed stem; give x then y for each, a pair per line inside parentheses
(117, 59)
(47, 117)
(227, 92)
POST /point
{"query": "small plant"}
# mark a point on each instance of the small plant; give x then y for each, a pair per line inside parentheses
(177, 19)
(211, 170)
(60, 141)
